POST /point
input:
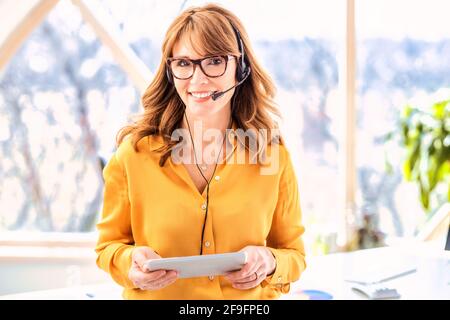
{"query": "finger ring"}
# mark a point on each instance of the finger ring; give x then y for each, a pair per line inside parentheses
(256, 276)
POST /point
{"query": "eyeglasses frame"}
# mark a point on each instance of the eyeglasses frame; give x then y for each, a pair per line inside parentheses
(198, 62)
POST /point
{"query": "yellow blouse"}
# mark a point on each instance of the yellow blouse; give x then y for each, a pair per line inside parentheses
(160, 207)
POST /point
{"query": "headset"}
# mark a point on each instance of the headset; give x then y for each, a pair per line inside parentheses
(243, 70)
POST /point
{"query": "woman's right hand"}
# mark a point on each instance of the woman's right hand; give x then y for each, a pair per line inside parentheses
(145, 279)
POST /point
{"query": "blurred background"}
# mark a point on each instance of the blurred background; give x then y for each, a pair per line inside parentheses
(363, 87)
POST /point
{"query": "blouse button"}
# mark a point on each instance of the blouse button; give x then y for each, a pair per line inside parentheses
(207, 244)
(217, 178)
(204, 206)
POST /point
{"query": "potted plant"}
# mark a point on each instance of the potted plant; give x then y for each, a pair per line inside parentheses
(425, 136)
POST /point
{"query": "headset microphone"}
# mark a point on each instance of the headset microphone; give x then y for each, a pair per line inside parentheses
(217, 94)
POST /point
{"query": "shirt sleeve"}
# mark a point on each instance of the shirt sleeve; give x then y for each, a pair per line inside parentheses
(115, 243)
(284, 239)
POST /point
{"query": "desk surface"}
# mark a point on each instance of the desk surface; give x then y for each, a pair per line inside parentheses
(327, 273)
(324, 273)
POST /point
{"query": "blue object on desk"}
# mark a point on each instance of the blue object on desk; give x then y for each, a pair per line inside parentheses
(316, 295)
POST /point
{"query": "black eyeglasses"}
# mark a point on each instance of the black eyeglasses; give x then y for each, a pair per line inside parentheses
(213, 67)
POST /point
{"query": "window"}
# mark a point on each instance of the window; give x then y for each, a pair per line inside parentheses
(62, 100)
(64, 96)
(403, 50)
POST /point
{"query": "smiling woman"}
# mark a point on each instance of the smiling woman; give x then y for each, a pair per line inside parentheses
(210, 78)
(194, 35)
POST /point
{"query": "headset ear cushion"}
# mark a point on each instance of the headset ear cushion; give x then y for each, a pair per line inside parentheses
(244, 69)
(240, 70)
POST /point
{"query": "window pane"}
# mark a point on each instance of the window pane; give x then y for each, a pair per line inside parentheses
(62, 99)
(403, 57)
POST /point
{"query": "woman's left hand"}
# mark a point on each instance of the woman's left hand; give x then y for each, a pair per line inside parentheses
(260, 264)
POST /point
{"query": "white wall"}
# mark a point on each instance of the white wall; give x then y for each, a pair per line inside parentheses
(55, 261)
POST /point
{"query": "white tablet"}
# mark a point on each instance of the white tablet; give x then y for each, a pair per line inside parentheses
(200, 266)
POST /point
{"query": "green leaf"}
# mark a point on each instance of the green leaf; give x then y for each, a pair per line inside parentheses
(432, 173)
(405, 134)
(412, 162)
(443, 165)
(424, 197)
(407, 171)
(439, 109)
(448, 192)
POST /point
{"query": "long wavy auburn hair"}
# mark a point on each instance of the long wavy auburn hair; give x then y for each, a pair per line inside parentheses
(209, 30)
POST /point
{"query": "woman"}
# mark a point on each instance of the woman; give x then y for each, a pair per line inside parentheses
(165, 197)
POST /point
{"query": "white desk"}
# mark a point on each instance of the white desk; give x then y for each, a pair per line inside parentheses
(106, 291)
(325, 273)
